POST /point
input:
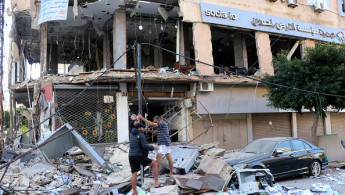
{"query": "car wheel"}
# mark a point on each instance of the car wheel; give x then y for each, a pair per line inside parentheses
(315, 168)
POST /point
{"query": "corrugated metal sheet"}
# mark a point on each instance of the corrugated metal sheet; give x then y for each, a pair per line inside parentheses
(271, 125)
(338, 124)
(304, 123)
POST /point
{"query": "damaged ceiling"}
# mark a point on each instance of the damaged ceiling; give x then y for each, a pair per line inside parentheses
(74, 36)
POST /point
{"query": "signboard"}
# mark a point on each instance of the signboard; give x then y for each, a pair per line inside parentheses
(53, 10)
(262, 22)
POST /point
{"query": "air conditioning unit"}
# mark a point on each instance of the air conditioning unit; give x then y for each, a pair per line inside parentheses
(319, 6)
(292, 3)
(204, 86)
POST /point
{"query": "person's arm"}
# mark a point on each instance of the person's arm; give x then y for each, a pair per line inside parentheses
(152, 131)
(147, 121)
(145, 145)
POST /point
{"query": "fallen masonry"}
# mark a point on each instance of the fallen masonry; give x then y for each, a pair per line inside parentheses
(69, 165)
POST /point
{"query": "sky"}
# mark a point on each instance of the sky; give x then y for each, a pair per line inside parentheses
(7, 28)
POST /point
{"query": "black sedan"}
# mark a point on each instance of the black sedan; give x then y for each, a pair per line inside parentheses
(284, 156)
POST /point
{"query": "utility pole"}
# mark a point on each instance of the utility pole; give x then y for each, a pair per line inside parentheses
(2, 6)
(140, 107)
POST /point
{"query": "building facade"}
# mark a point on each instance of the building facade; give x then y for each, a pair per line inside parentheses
(201, 103)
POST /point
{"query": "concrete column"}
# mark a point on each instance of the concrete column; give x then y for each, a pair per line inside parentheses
(178, 41)
(182, 43)
(122, 113)
(240, 51)
(12, 111)
(20, 69)
(328, 125)
(294, 124)
(106, 50)
(43, 49)
(250, 127)
(306, 43)
(53, 59)
(264, 52)
(183, 118)
(120, 38)
(203, 48)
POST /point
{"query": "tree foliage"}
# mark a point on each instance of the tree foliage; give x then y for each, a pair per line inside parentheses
(322, 70)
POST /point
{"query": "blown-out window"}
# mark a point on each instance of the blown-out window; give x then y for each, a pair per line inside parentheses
(342, 7)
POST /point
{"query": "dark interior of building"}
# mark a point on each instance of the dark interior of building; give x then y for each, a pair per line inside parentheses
(223, 49)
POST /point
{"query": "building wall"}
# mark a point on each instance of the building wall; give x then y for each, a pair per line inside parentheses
(234, 99)
(338, 124)
(190, 10)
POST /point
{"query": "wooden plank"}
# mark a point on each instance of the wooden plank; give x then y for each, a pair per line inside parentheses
(292, 51)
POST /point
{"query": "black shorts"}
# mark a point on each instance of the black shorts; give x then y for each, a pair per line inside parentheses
(136, 161)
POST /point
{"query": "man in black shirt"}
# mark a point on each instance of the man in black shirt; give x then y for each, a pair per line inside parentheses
(138, 152)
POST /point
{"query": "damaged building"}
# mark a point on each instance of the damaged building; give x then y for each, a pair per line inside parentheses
(202, 104)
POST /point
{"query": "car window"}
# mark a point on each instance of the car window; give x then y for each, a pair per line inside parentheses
(307, 146)
(259, 146)
(298, 145)
(284, 146)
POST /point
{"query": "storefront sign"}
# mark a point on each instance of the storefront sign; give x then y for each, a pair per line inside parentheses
(53, 10)
(262, 22)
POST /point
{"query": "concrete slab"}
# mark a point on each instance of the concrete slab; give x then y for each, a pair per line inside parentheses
(210, 165)
(183, 157)
(166, 190)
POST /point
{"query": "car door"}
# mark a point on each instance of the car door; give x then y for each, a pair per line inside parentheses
(281, 164)
(301, 155)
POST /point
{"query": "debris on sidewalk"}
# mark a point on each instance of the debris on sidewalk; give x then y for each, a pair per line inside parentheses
(209, 165)
(165, 190)
(183, 157)
(69, 165)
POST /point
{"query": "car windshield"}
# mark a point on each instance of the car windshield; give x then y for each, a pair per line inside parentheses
(259, 146)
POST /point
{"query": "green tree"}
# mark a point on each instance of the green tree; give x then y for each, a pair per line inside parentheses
(6, 119)
(322, 70)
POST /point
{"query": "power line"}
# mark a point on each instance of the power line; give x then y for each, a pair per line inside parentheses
(197, 61)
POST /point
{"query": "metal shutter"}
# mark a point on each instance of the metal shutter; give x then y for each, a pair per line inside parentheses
(304, 123)
(280, 127)
(231, 134)
(338, 124)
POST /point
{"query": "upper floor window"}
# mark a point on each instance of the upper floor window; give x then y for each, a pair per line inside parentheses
(342, 7)
(326, 3)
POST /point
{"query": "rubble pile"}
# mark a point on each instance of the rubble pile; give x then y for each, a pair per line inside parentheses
(38, 176)
(197, 170)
